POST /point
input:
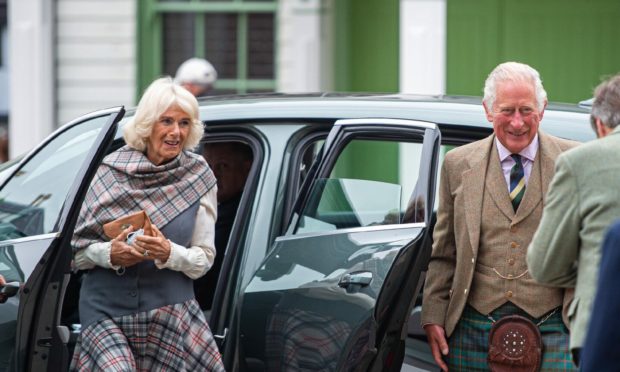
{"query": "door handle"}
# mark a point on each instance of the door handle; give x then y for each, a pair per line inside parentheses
(221, 338)
(360, 278)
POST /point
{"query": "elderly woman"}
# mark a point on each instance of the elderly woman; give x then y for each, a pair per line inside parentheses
(137, 305)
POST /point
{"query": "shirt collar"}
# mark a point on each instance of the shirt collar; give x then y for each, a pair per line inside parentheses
(529, 152)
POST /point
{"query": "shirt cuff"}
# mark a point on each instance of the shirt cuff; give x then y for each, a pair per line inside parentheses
(96, 254)
(192, 261)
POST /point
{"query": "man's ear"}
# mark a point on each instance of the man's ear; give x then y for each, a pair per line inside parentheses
(542, 112)
(488, 112)
(601, 129)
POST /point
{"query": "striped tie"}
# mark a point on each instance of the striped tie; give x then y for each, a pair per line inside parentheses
(517, 182)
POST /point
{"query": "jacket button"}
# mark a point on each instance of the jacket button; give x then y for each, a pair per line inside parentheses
(509, 294)
(511, 261)
(513, 229)
(133, 293)
(514, 245)
(465, 291)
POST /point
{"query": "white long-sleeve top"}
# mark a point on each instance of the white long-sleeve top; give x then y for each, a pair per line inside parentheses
(193, 261)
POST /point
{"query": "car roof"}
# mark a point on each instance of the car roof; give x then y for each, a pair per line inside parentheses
(563, 120)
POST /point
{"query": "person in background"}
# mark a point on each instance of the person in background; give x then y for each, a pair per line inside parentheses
(137, 305)
(231, 163)
(602, 340)
(490, 203)
(583, 200)
(196, 75)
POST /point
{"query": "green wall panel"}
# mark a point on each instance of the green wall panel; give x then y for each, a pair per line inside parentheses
(366, 45)
(366, 60)
(572, 43)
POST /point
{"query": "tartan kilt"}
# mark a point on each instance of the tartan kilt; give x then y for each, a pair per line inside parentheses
(170, 338)
(469, 343)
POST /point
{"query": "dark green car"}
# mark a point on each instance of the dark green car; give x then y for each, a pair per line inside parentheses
(327, 250)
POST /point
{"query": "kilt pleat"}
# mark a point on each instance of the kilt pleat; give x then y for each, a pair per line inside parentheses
(170, 338)
(469, 343)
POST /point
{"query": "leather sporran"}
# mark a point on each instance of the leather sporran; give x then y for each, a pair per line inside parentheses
(515, 344)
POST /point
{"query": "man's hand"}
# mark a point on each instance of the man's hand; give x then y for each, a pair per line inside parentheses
(439, 345)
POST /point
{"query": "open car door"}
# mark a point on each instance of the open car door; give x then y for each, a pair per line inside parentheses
(335, 292)
(39, 204)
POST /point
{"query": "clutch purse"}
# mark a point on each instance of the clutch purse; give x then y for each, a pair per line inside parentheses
(139, 220)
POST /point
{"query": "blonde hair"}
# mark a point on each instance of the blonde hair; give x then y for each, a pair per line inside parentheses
(157, 98)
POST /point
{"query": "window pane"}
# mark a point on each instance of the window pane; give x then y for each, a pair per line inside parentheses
(357, 195)
(221, 43)
(178, 40)
(32, 199)
(261, 45)
(347, 203)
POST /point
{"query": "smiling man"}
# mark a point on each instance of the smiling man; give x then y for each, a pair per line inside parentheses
(490, 204)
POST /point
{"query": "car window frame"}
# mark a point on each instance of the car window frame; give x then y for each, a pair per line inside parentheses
(226, 289)
(326, 162)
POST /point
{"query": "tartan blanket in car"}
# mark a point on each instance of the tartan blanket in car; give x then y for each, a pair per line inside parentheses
(128, 182)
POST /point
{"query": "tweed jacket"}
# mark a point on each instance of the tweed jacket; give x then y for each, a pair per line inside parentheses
(583, 201)
(458, 230)
(600, 350)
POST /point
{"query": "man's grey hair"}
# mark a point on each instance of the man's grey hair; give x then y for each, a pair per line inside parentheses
(606, 105)
(516, 72)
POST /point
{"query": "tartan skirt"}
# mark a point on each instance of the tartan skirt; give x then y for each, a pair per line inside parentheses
(469, 343)
(170, 338)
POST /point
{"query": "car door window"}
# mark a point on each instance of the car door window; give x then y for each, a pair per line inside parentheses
(357, 195)
(31, 200)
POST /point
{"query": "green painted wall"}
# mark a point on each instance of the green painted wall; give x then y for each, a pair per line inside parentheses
(366, 45)
(572, 43)
(366, 60)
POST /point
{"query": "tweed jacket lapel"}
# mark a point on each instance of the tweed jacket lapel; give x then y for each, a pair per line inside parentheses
(549, 152)
(540, 178)
(473, 184)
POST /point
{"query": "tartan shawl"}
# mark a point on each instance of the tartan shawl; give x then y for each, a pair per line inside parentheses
(128, 182)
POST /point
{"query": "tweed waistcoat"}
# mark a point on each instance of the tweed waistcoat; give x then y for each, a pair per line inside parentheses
(501, 269)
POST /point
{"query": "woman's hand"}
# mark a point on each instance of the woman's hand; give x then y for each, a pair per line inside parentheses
(122, 254)
(154, 247)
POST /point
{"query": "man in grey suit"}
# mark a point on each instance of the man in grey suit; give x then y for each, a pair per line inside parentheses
(583, 200)
(490, 203)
